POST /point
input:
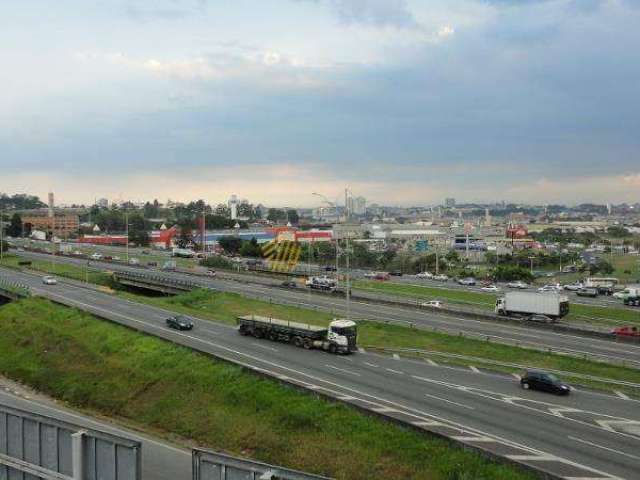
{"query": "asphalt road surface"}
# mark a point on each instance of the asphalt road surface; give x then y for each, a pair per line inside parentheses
(528, 336)
(586, 435)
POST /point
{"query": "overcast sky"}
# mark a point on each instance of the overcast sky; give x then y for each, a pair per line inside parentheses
(403, 101)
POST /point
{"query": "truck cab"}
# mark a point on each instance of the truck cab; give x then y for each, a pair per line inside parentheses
(343, 333)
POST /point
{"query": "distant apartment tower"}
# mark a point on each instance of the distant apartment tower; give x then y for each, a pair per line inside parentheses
(102, 203)
(357, 205)
(233, 206)
(449, 202)
(51, 205)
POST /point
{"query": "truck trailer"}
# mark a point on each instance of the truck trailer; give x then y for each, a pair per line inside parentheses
(339, 337)
(553, 305)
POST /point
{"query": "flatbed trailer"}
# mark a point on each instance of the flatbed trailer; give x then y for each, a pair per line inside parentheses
(339, 337)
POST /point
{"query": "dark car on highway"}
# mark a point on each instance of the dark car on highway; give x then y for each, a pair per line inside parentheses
(289, 284)
(543, 381)
(395, 273)
(179, 322)
(538, 318)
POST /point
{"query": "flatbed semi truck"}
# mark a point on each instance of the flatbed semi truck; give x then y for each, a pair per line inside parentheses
(339, 337)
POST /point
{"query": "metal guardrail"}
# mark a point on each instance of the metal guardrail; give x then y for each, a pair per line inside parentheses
(209, 465)
(157, 280)
(41, 447)
(15, 288)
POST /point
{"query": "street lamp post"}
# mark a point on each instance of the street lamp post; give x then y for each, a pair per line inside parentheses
(126, 221)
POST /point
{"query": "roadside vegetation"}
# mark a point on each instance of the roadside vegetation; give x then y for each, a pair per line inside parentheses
(154, 384)
(72, 272)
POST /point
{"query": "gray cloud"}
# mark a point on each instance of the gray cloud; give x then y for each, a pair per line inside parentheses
(378, 13)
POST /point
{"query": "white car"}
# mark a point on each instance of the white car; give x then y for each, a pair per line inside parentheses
(573, 287)
(442, 277)
(424, 275)
(96, 256)
(433, 304)
(49, 280)
(550, 288)
(116, 259)
(620, 295)
(134, 261)
(518, 284)
(490, 288)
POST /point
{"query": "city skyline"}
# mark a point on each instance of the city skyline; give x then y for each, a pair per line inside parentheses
(405, 102)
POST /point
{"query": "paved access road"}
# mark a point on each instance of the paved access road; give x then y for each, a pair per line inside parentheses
(600, 349)
(586, 435)
(159, 459)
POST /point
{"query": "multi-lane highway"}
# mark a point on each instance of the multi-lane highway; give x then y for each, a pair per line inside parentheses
(603, 301)
(586, 435)
(601, 349)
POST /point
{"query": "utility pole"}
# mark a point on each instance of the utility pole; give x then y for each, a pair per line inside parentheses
(1, 234)
(126, 221)
(204, 222)
(348, 278)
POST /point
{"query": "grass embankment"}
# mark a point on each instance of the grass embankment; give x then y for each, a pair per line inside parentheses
(73, 272)
(578, 313)
(155, 384)
(225, 307)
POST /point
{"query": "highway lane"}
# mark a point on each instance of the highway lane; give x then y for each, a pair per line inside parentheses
(159, 459)
(602, 301)
(482, 409)
(601, 349)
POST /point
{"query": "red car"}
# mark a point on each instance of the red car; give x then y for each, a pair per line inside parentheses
(626, 331)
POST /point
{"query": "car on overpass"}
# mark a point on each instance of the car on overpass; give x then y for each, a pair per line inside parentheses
(544, 381)
(179, 322)
(469, 281)
(518, 284)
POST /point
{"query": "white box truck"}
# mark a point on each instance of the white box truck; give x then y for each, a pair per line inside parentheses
(553, 305)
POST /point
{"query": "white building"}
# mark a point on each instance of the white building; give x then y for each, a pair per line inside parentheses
(233, 206)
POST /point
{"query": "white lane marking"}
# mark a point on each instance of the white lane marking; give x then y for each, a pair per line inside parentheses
(538, 458)
(266, 347)
(384, 409)
(342, 370)
(558, 411)
(361, 350)
(394, 371)
(396, 356)
(408, 411)
(427, 424)
(551, 410)
(474, 369)
(622, 395)
(449, 401)
(347, 398)
(608, 424)
(463, 438)
(371, 364)
(516, 376)
(431, 362)
(603, 447)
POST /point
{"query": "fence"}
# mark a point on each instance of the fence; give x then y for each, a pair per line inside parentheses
(216, 466)
(38, 447)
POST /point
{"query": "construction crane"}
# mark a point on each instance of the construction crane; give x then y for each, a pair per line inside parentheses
(328, 202)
